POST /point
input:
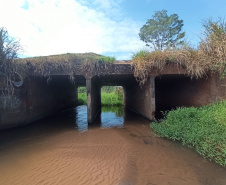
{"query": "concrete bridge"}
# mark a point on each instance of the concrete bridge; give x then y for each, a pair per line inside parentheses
(163, 90)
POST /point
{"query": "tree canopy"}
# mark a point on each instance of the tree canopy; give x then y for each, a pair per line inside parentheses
(162, 31)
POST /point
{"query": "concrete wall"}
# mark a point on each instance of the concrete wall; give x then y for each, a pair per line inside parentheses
(218, 88)
(179, 90)
(93, 89)
(36, 99)
(141, 100)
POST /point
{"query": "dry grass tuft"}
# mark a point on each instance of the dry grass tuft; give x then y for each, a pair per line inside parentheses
(211, 55)
(186, 58)
(68, 63)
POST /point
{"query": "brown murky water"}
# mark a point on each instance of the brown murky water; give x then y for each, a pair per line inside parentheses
(117, 150)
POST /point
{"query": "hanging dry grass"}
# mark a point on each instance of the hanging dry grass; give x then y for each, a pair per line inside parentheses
(213, 46)
(211, 55)
(186, 58)
(67, 63)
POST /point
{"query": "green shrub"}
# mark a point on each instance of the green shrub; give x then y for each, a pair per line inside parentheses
(81, 89)
(107, 99)
(106, 59)
(82, 99)
(203, 128)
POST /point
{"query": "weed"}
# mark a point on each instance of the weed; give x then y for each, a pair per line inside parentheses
(107, 99)
(203, 128)
(110, 99)
(82, 99)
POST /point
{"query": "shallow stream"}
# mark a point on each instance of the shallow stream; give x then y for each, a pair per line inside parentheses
(118, 149)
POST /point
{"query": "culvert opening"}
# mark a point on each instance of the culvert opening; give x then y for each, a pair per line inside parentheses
(111, 96)
(172, 91)
(82, 97)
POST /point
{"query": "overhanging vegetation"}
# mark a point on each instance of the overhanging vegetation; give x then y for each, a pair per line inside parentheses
(69, 63)
(210, 55)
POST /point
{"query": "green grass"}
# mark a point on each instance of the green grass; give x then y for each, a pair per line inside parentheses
(110, 99)
(107, 99)
(203, 128)
(82, 99)
(106, 59)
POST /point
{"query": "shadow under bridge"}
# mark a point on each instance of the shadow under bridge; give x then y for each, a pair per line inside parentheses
(140, 100)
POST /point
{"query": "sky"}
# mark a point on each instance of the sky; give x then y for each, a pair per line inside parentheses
(108, 27)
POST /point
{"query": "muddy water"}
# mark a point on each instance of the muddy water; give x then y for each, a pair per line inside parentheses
(118, 149)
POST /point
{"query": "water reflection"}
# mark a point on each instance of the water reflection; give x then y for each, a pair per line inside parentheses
(52, 151)
(81, 118)
(110, 116)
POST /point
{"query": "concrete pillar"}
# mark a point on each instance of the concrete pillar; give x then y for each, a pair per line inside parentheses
(93, 90)
(141, 100)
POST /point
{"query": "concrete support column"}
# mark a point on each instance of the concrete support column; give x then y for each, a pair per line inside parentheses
(141, 100)
(93, 98)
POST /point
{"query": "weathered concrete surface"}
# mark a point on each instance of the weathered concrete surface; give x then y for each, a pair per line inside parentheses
(141, 100)
(165, 89)
(36, 99)
(218, 88)
(93, 90)
(174, 90)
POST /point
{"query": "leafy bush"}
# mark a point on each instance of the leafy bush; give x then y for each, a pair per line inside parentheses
(108, 89)
(106, 59)
(81, 89)
(203, 128)
(109, 99)
(82, 99)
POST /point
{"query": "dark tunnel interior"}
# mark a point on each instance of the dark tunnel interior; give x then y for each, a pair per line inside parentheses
(172, 91)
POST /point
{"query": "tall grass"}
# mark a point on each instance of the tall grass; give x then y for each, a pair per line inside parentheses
(110, 99)
(203, 128)
(110, 96)
(82, 99)
(69, 62)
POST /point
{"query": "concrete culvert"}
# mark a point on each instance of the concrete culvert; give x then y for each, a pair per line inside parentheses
(172, 91)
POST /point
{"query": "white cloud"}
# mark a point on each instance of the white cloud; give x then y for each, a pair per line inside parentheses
(48, 27)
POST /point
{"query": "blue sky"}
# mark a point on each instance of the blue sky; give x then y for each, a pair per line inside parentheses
(108, 27)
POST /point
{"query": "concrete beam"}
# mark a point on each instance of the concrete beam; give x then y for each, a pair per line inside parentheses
(93, 90)
(141, 100)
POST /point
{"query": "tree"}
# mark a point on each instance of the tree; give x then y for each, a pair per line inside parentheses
(9, 48)
(162, 31)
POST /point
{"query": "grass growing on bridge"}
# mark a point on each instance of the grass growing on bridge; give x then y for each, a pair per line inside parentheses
(203, 128)
(69, 63)
(209, 56)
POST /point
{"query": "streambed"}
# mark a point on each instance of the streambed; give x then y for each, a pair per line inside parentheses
(117, 149)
